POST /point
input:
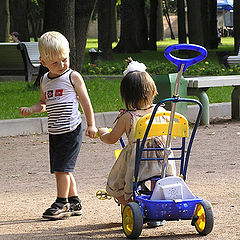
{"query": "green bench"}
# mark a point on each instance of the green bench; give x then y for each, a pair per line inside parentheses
(17, 59)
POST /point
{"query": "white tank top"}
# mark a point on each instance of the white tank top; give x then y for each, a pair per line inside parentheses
(61, 103)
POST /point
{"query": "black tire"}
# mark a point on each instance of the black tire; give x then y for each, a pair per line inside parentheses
(132, 220)
(203, 218)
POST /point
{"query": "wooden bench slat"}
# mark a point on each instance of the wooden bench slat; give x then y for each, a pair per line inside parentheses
(234, 60)
(213, 81)
(33, 52)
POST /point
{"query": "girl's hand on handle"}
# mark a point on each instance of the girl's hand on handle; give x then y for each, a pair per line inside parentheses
(102, 131)
(92, 132)
(26, 111)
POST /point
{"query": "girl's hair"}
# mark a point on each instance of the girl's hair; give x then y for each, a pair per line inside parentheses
(53, 45)
(137, 90)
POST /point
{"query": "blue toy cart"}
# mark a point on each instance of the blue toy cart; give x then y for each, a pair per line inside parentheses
(170, 199)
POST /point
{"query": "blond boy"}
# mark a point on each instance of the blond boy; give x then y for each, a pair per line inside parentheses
(62, 89)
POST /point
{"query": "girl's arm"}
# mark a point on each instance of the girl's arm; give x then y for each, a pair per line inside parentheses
(37, 108)
(122, 126)
(85, 103)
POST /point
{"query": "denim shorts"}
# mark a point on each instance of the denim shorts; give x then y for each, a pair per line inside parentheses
(64, 149)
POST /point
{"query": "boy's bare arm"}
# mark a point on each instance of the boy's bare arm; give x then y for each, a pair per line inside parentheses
(85, 103)
(36, 108)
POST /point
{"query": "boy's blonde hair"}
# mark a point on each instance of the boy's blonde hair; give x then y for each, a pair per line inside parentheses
(137, 90)
(53, 45)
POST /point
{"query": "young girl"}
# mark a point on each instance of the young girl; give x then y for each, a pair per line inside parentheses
(137, 91)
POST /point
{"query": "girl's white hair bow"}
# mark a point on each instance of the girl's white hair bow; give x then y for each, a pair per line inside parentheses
(135, 66)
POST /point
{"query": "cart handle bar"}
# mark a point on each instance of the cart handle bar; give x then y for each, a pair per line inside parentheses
(186, 62)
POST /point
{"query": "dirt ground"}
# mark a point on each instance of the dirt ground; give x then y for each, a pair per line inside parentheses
(27, 189)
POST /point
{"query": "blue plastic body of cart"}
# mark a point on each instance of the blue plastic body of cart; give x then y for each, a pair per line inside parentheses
(186, 62)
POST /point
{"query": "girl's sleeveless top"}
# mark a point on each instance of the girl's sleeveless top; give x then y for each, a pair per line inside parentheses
(61, 103)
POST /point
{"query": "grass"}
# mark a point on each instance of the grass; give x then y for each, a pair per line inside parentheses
(104, 94)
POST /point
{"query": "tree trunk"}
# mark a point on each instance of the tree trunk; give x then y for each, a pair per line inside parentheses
(182, 35)
(166, 14)
(128, 37)
(205, 22)
(160, 27)
(195, 30)
(19, 23)
(5, 21)
(153, 25)
(141, 25)
(209, 23)
(105, 28)
(83, 13)
(114, 22)
(212, 22)
(59, 16)
(236, 21)
(61, 20)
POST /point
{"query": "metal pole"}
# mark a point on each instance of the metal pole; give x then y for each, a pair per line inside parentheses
(167, 150)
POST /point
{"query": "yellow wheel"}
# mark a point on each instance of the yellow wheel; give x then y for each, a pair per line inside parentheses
(132, 220)
(203, 218)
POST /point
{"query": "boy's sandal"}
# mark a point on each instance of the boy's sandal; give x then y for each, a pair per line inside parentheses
(103, 195)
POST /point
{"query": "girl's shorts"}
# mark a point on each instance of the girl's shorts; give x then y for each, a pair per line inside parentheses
(64, 150)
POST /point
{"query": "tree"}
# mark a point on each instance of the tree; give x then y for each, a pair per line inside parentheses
(141, 25)
(195, 31)
(61, 20)
(4, 19)
(19, 21)
(71, 18)
(152, 45)
(35, 16)
(160, 27)
(105, 12)
(209, 23)
(166, 14)
(182, 34)
(128, 37)
(202, 23)
(83, 13)
(236, 20)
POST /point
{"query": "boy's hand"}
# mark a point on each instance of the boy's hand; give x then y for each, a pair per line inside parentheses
(26, 111)
(91, 132)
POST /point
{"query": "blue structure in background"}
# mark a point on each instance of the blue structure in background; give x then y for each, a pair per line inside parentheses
(225, 5)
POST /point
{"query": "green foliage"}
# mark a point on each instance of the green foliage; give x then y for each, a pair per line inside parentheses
(157, 63)
(104, 94)
(35, 1)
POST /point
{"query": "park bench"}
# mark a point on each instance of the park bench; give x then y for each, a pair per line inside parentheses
(234, 60)
(19, 59)
(197, 86)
